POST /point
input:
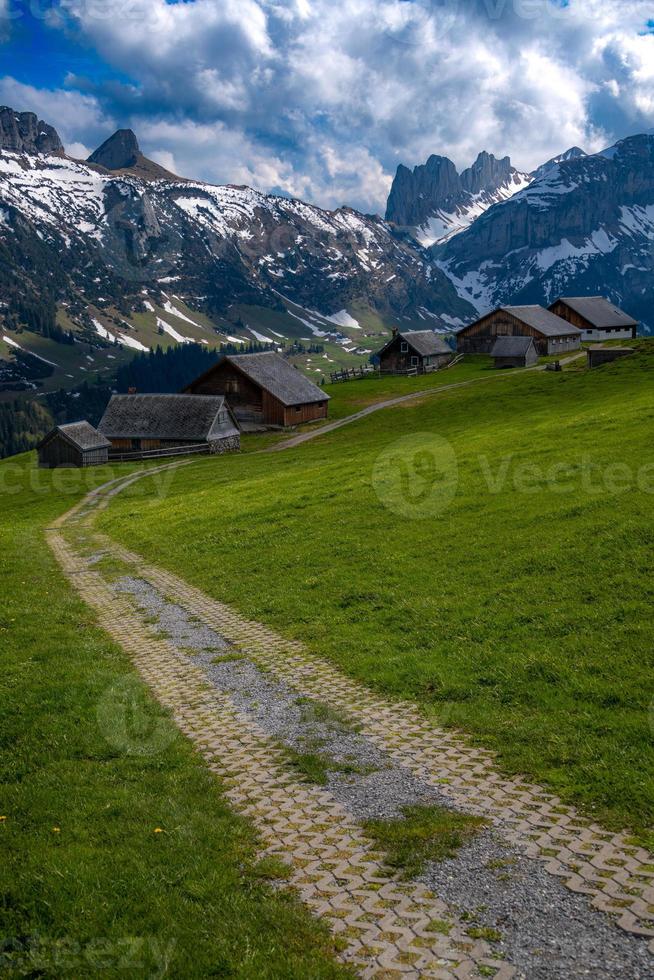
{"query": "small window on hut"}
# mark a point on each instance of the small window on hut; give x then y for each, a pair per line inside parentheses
(414, 361)
(403, 346)
(298, 408)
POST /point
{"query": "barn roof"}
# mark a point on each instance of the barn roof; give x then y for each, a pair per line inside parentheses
(82, 435)
(598, 311)
(512, 346)
(188, 418)
(278, 377)
(424, 342)
(547, 323)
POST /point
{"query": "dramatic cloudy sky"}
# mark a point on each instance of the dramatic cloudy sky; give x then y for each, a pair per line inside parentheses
(323, 98)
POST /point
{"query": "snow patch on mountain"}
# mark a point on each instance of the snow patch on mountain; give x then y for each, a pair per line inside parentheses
(166, 327)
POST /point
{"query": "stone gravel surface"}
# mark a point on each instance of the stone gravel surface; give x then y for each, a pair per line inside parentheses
(531, 919)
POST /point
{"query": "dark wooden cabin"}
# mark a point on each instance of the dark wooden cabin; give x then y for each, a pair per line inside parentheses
(604, 355)
(73, 444)
(263, 390)
(149, 423)
(550, 333)
(509, 352)
(422, 350)
(596, 317)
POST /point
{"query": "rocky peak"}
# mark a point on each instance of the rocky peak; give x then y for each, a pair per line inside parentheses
(416, 192)
(24, 132)
(118, 152)
(487, 173)
(436, 188)
(122, 152)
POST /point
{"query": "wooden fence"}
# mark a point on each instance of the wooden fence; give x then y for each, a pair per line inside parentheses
(351, 374)
(192, 450)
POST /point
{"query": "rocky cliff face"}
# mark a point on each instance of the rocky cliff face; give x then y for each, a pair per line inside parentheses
(586, 226)
(24, 132)
(433, 202)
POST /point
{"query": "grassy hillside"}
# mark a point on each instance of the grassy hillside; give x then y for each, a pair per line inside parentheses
(86, 883)
(497, 566)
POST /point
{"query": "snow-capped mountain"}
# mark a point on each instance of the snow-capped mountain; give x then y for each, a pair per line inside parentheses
(111, 230)
(584, 227)
(433, 202)
(572, 154)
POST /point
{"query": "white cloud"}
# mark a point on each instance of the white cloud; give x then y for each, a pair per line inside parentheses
(323, 100)
(78, 150)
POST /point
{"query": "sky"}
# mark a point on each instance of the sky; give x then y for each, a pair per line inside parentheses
(322, 99)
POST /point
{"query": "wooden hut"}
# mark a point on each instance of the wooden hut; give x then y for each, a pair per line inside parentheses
(73, 444)
(596, 317)
(604, 355)
(551, 334)
(263, 390)
(422, 350)
(154, 424)
(511, 352)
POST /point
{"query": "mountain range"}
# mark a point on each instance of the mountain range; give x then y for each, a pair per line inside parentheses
(585, 226)
(114, 255)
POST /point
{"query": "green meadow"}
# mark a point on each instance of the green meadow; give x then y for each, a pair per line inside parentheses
(487, 551)
(118, 853)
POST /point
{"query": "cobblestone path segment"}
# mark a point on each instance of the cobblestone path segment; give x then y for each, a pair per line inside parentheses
(617, 877)
(385, 925)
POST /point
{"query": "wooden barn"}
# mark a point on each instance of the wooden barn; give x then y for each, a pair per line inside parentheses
(596, 317)
(550, 333)
(605, 355)
(511, 352)
(263, 390)
(423, 350)
(154, 424)
(73, 444)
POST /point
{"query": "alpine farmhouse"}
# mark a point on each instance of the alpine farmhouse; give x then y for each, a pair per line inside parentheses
(163, 423)
(73, 444)
(263, 390)
(551, 334)
(514, 352)
(422, 350)
(596, 317)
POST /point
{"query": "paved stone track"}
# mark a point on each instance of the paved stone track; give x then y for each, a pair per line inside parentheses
(340, 869)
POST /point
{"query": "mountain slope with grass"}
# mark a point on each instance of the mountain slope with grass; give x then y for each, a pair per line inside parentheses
(517, 611)
(116, 254)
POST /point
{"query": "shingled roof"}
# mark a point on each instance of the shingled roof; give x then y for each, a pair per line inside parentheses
(547, 324)
(424, 342)
(82, 435)
(598, 311)
(274, 374)
(511, 346)
(187, 418)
